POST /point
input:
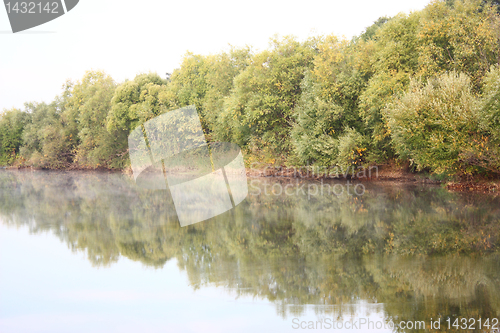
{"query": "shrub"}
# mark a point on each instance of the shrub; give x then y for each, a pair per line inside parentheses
(352, 149)
(313, 135)
(433, 124)
(44, 141)
(12, 123)
(328, 103)
(490, 106)
(486, 149)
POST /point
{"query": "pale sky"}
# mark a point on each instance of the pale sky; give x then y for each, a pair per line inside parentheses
(125, 38)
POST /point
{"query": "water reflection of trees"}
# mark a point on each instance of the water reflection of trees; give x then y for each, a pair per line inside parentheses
(421, 251)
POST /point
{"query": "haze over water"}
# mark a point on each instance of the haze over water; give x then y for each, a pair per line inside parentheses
(88, 251)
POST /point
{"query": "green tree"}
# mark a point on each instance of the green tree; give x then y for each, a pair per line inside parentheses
(135, 102)
(86, 111)
(44, 141)
(394, 61)
(484, 150)
(12, 123)
(431, 124)
(259, 111)
(371, 31)
(462, 38)
(206, 81)
(329, 103)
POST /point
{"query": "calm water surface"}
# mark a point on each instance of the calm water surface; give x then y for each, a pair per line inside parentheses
(91, 252)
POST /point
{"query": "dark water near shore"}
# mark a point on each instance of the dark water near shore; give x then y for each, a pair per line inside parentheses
(91, 252)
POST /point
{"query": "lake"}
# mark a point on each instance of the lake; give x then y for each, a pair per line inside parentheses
(92, 252)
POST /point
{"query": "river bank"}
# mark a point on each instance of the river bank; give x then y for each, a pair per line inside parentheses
(392, 172)
(384, 172)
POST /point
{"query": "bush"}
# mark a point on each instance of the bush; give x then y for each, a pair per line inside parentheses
(352, 149)
(12, 124)
(464, 37)
(44, 141)
(88, 109)
(490, 106)
(328, 103)
(433, 124)
(313, 135)
(259, 109)
(486, 150)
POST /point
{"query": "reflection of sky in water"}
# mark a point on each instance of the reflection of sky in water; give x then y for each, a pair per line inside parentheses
(254, 268)
(44, 287)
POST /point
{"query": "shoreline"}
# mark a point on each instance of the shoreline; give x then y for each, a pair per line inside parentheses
(388, 173)
(384, 173)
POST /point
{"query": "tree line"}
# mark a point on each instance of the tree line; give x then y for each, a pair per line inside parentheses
(422, 87)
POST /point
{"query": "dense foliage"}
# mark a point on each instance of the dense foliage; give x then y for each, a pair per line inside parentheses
(422, 87)
(432, 124)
